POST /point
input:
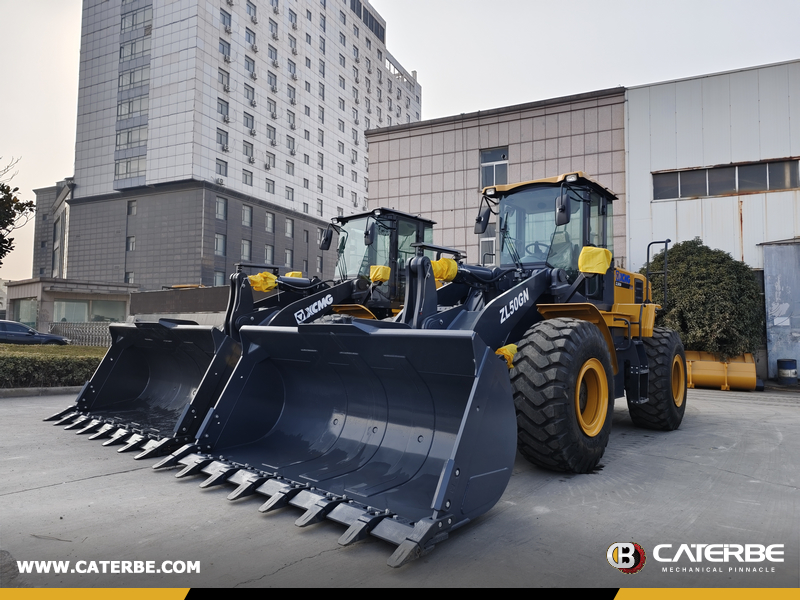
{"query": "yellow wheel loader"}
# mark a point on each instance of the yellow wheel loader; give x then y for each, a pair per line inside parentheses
(407, 428)
(158, 380)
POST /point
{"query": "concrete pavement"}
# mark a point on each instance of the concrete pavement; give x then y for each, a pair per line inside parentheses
(729, 475)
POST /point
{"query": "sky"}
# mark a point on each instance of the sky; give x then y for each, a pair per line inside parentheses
(470, 55)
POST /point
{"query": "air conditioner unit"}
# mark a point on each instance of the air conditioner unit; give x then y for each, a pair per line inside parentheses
(358, 80)
(353, 160)
(252, 132)
(227, 88)
(355, 202)
(358, 101)
(369, 70)
(292, 126)
(294, 51)
(380, 120)
(357, 121)
(254, 19)
(292, 151)
(253, 102)
(369, 90)
(230, 2)
(227, 58)
(358, 59)
(228, 29)
(355, 142)
(252, 160)
(294, 25)
(225, 148)
(273, 142)
(267, 166)
(220, 181)
(274, 89)
(276, 64)
(369, 111)
(294, 76)
(274, 115)
(292, 101)
(253, 75)
(275, 36)
(226, 118)
(276, 10)
(254, 48)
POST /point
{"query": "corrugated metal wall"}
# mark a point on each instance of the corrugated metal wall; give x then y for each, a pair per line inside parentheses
(743, 116)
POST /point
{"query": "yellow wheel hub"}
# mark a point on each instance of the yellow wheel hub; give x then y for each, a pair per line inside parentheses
(678, 380)
(591, 397)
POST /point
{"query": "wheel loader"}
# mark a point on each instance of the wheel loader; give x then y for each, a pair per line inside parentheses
(158, 380)
(407, 428)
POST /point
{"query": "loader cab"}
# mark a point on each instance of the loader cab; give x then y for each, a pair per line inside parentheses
(382, 237)
(547, 222)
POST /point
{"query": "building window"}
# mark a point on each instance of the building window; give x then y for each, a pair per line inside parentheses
(219, 278)
(247, 177)
(289, 228)
(322, 67)
(130, 243)
(247, 216)
(494, 166)
(221, 208)
(269, 254)
(321, 114)
(247, 149)
(342, 39)
(322, 44)
(224, 78)
(249, 93)
(320, 184)
(321, 137)
(289, 167)
(270, 160)
(270, 186)
(272, 81)
(222, 168)
(223, 107)
(219, 244)
(340, 191)
(224, 48)
(340, 169)
(134, 49)
(270, 223)
(305, 207)
(130, 277)
(131, 208)
(322, 91)
(273, 29)
(290, 194)
(251, 10)
(319, 264)
(132, 108)
(139, 18)
(271, 135)
(320, 160)
(222, 139)
(132, 167)
(130, 138)
(289, 259)
(134, 78)
(246, 249)
(727, 180)
(249, 121)
(249, 64)
(319, 207)
(249, 36)
(290, 142)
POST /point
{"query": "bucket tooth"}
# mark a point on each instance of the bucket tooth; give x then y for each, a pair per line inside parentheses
(320, 510)
(93, 426)
(133, 442)
(174, 458)
(426, 534)
(219, 476)
(78, 423)
(67, 419)
(248, 487)
(117, 437)
(61, 414)
(194, 464)
(361, 528)
(103, 432)
(156, 448)
(282, 497)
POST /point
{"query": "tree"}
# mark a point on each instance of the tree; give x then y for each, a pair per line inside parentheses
(714, 301)
(14, 213)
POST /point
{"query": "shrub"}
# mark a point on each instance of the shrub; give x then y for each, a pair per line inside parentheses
(714, 301)
(47, 366)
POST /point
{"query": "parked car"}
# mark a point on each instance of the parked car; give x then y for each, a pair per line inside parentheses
(12, 332)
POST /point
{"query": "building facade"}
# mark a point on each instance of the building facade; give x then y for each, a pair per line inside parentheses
(211, 133)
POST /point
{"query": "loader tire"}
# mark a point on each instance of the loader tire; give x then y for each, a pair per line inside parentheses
(667, 388)
(563, 387)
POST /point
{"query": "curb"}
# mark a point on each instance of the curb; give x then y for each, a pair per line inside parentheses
(28, 392)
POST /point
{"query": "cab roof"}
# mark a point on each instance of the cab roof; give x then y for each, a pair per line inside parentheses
(582, 179)
(381, 212)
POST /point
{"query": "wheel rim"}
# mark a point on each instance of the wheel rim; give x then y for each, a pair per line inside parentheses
(678, 380)
(591, 397)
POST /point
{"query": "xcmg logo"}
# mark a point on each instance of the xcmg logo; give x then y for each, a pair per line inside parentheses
(309, 311)
(628, 557)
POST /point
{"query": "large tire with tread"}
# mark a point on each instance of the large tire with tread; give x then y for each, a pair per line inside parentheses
(667, 389)
(563, 386)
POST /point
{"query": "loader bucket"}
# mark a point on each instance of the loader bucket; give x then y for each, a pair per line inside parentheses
(153, 387)
(404, 434)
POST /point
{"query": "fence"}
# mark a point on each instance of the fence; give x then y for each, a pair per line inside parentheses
(83, 334)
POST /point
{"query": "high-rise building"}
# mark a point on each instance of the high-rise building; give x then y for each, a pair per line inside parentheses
(211, 133)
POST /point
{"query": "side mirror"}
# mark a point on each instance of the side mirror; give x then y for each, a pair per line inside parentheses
(369, 235)
(327, 237)
(482, 221)
(563, 208)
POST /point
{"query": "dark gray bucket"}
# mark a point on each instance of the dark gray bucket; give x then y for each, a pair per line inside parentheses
(787, 371)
